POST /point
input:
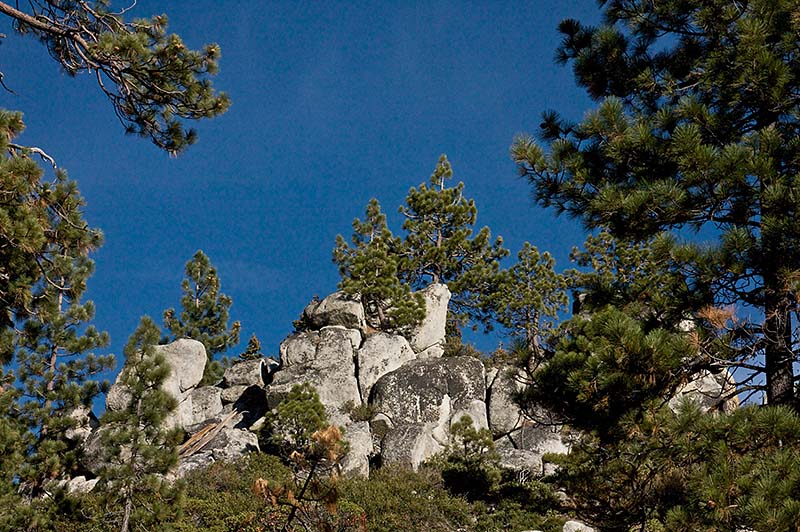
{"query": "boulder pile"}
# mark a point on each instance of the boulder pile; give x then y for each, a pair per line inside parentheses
(411, 393)
(396, 396)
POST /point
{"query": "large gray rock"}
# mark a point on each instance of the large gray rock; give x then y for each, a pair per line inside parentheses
(80, 485)
(187, 465)
(324, 359)
(232, 394)
(187, 361)
(475, 410)
(85, 422)
(336, 309)
(300, 349)
(709, 391)
(576, 526)
(504, 414)
(410, 445)
(93, 452)
(360, 449)
(428, 336)
(421, 400)
(415, 393)
(381, 353)
(201, 404)
(540, 438)
(231, 444)
(519, 460)
(244, 373)
(312, 348)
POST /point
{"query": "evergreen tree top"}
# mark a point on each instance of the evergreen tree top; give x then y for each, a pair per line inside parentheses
(697, 126)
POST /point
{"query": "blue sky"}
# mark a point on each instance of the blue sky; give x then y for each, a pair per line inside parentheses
(333, 104)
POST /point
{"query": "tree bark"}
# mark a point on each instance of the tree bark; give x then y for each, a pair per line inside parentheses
(778, 354)
(126, 519)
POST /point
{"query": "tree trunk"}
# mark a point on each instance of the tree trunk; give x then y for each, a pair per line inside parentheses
(778, 354)
(127, 517)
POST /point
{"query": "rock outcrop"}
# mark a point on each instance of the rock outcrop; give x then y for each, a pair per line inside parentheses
(521, 440)
(710, 391)
(187, 361)
(336, 309)
(427, 339)
(396, 397)
(421, 399)
(325, 359)
(381, 353)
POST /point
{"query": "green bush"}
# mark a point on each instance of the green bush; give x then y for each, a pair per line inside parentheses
(470, 466)
(290, 425)
(397, 499)
(359, 412)
(513, 516)
(219, 497)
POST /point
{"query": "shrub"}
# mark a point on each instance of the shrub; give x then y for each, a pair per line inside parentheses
(218, 498)
(290, 425)
(360, 412)
(399, 499)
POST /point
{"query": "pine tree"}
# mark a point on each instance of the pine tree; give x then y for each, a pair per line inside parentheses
(140, 450)
(299, 431)
(152, 79)
(253, 350)
(439, 246)
(369, 270)
(697, 127)
(611, 373)
(529, 297)
(204, 314)
(53, 359)
(34, 214)
(13, 510)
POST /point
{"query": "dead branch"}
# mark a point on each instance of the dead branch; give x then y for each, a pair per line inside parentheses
(33, 149)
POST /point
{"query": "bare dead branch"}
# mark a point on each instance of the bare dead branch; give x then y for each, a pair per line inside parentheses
(33, 149)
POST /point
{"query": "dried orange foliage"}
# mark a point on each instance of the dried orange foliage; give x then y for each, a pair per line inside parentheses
(718, 317)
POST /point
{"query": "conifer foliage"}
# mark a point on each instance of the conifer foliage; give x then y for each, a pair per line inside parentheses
(253, 350)
(204, 313)
(369, 270)
(528, 297)
(140, 449)
(440, 246)
(151, 78)
(45, 244)
(697, 127)
(299, 430)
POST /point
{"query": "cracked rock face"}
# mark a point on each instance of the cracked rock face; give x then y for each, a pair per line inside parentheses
(428, 336)
(200, 404)
(360, 449)
(231, 444)
(381, 353)
(410, 445)
(324, 359)
(504, 414)
(709, 391)
(421, 400)
(244, 373)
(576, 526)
(187, 361)
(336, 309)
(414, 393)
